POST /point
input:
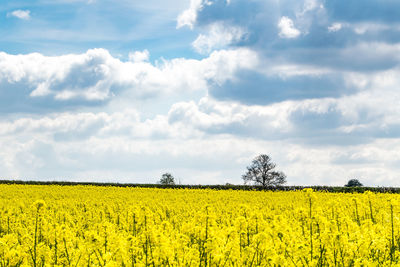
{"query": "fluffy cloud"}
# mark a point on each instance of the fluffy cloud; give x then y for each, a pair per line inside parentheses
(308, 24)
(139, 56)
(218, 36)
(287, 29)
(96, 77)
(189, 16)
(215, 117)
(21, 14)
(306, 49)
(335, 27)
(359, 118)
(326, 119)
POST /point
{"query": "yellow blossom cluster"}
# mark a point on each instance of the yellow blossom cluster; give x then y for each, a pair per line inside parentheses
(110, 226)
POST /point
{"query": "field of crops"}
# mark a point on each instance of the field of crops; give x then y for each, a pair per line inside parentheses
(110, 226)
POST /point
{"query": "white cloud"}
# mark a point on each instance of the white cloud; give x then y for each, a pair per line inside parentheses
(222, 117)
(310, 5)
(335, 27)
(84, 125)
(188, 17)
(218, 36)
(98, 76)
(139, 56)
(287, 29)
(365, 115)
(21, 14)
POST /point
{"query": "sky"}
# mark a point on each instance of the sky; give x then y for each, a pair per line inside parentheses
(126, 90)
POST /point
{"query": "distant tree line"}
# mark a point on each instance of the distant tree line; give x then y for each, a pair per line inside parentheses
(260, 175)
(332, 189)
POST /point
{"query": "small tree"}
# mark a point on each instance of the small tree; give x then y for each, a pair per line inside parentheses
(261, 172)
(353, 183)
(167, 179)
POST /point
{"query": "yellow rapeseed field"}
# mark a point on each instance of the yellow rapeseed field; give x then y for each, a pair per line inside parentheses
(110, 226)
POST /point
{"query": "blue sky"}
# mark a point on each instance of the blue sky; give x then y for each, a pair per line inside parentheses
(124, 91)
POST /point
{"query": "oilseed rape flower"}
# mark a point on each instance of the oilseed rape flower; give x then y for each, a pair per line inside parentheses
(110, 226)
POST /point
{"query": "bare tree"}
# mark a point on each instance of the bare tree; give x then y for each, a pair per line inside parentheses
(167, 179)
(261, 172)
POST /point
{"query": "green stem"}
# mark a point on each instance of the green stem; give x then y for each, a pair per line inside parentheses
(392, 241)
(311, 231)
(370, 210)
(35, 241)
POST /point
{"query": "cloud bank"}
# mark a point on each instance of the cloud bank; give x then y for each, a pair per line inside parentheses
(36, 82)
